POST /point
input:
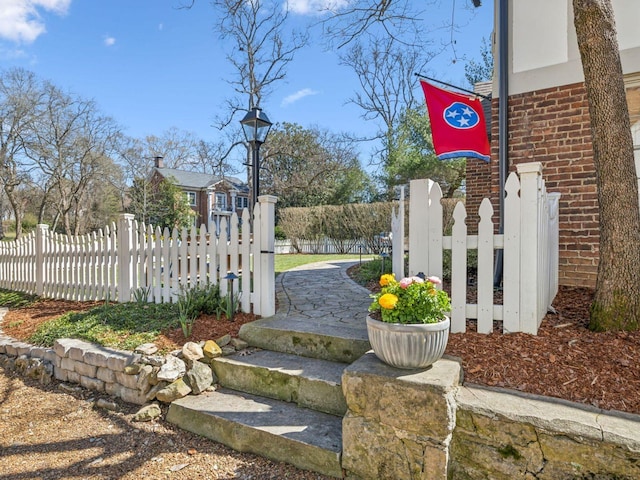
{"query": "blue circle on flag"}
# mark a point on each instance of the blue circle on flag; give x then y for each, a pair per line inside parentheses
(460, 115)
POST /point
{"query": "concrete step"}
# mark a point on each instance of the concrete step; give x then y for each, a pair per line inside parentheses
(274, 429)
(316, 339)
(308, 382)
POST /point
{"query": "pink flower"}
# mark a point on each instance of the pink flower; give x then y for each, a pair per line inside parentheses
(434, 280)
(405, 282)
(417, 279)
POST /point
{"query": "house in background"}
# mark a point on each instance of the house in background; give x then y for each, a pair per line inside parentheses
(548, 121)
(212, 197)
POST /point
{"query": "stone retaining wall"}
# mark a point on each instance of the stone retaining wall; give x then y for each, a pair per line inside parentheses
(94, 367)
(426, 425)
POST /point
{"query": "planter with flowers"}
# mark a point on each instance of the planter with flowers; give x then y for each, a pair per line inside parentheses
(408, 326)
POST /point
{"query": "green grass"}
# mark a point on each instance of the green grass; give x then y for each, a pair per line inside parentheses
(123, 326)
(11, 299)
(289, 261)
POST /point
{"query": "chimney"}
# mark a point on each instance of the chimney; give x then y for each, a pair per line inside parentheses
(159, 163)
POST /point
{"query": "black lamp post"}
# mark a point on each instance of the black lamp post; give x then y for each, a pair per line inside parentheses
(255, 125)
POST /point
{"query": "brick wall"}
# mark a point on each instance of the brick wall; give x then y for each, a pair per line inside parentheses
(552, 127)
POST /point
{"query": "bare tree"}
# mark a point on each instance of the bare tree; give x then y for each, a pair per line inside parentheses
(385, 71)
(21, 96)
(70, 145)
(262, 46)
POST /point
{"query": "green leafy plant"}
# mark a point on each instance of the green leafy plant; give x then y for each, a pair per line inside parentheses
(141, 295)
(410, 300)
(230, 304)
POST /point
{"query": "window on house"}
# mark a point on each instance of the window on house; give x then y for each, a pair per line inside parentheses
(191, 198)
(221, 201)
(241, 202)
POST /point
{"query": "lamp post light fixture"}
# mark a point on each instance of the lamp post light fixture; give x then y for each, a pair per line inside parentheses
(255, 125)
(231, 304)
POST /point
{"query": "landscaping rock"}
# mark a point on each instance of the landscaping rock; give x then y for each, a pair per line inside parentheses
(147, 413)
(146, 349)
(238, 344)
(211, 349)
(172, 369)
(192, 352)
(199, 377)
(173, 391)
(224, 340)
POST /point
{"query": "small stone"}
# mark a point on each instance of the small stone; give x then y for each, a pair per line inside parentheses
(228, 350)
(224, 340)
(107, 404)
(192, 351)
(147, 413)
(211, 349)
(173, 391)
(199, 378)
(239, 344)
(146, 349)
(153, 360)
(132, 369)
(173, 369)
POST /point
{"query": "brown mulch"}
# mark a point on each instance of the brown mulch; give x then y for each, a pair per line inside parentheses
(565, 360)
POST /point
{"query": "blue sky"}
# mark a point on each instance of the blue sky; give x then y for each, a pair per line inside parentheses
(153, 66)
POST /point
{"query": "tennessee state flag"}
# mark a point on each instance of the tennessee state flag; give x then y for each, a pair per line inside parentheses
(457, 124)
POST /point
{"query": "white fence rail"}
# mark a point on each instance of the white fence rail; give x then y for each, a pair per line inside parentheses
(529, 245)
(327, 245)
(127, 257)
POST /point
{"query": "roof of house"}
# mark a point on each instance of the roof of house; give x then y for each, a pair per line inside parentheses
(200, 181)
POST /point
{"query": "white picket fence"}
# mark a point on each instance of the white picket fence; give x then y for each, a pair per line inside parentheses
(529, 245)
(128, 259)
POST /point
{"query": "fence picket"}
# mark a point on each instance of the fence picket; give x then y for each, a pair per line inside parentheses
(485, 268)
(459, 269)
(511, 257)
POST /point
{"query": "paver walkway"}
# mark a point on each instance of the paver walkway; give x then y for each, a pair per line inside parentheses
(321, 313)
(322, 290)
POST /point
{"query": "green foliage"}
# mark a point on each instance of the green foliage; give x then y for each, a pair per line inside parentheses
(410, 300)
(162, 205)
(372, 270)
(194, 301)
(310, 167)
(410, 155)
(11, 299)
(480, 71)
(343, 224)
(279, 233)
(123, 326)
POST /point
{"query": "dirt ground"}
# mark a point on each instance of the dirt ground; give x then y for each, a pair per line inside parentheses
(49, 433)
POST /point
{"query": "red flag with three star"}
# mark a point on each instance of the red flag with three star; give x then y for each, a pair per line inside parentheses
(457, 124)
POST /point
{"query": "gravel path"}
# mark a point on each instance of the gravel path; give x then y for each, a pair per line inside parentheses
(58, 432)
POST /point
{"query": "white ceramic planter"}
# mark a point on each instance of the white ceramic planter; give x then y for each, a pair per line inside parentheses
(408, 345)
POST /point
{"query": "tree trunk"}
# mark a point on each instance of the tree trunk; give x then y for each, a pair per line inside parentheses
(616, 305)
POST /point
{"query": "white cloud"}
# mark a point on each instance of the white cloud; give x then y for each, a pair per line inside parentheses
(109, 41)
(20, 20)
(294, 97)
(315, 7)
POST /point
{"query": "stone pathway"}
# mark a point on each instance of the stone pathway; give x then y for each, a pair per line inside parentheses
(322, 290)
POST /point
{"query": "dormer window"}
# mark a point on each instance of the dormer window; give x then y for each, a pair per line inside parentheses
(221, 201)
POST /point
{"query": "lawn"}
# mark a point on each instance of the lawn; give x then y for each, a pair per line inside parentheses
(289, 261)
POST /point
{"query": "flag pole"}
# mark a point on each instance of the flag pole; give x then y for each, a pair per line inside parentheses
(452, 86)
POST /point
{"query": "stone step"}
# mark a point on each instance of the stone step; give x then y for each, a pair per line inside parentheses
(316, 339)
(271, 428)
(308, 382)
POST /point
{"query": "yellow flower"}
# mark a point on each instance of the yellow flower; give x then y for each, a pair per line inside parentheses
(386, 279)
(388, 301)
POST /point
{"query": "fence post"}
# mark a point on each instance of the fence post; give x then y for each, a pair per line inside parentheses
(125, 265)
(530, 276)
(41, 232)
(267, 281)
(397, 239)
